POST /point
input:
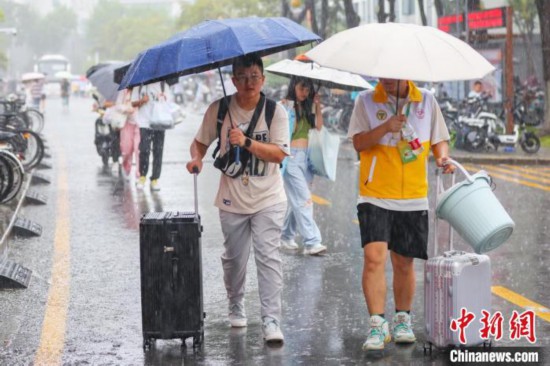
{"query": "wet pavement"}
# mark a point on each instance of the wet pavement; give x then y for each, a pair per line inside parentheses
(97, 316)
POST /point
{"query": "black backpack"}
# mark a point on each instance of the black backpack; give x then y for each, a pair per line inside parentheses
(270, 106)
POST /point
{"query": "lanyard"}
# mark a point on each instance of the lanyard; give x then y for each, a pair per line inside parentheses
(390, 105)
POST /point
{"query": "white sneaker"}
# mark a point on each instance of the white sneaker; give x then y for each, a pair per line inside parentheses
(126, 176)
(237, 316)
(379, 334)
(317, 249)
(402, 328)
(271, 331)
(140, 182)
(155, 185)
(289, 244)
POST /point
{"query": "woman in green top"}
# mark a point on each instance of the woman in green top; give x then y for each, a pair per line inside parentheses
(304, 110)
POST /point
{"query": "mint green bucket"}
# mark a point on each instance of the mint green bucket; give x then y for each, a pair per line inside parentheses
(474, 212)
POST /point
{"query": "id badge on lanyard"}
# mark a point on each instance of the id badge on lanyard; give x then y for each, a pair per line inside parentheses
(403, 147)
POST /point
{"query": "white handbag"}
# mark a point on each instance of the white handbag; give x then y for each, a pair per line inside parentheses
(117, 115)
(114, 117)
(160, 117)
(322, 152)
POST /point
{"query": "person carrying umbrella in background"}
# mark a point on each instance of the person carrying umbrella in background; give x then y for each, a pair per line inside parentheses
(253, 204)
(303, 106)
(38, 96)
(129, 134)
(393, 206)
(150, 139)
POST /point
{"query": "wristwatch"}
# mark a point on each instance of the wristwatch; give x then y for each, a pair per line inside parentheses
(247, 142)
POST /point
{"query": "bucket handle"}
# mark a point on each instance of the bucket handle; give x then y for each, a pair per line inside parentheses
(469, 178)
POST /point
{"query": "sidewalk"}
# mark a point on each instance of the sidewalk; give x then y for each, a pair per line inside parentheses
(518, 156)
(542, 157)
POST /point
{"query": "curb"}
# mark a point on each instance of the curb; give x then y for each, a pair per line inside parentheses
(15, 210)
(13, 275)
(518, 157)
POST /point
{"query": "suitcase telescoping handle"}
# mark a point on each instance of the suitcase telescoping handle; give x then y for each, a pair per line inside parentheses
(195, 173)
(439, 190)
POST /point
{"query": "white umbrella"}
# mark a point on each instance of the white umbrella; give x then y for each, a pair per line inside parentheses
(323, 76)
(401, 51)
(32, 76)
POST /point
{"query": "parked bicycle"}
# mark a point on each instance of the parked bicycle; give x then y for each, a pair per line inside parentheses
(11, 176)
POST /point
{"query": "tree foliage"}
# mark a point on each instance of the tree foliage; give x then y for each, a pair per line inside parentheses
(324, 17)
(118, 32)
(525, 13)
(543, 9)
(36, 35)
(51, 31)
(201, 10)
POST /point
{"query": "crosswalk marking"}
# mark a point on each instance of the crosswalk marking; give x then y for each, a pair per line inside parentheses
(516, 172)
(509, 178)
(537, 171)
(541, 311)
(320, 200)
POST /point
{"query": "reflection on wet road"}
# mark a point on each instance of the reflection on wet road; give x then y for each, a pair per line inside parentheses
(324, 313)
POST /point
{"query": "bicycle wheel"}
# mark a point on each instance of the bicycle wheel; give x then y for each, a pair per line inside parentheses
(6, 177)
(29, 147)
(35, 119)
(18, 174)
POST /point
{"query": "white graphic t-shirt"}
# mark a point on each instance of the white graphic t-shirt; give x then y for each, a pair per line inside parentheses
(264, 186)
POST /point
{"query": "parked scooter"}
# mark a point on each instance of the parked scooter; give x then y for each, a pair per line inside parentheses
(487, 131)
(107, 139)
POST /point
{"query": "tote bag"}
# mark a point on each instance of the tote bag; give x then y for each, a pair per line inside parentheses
(114, 117)
(161, 115)
(322, 152)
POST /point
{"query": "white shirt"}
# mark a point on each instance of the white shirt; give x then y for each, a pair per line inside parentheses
(154, 91)
(265, 184)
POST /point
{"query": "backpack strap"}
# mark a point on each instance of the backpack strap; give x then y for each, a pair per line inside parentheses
(222, 111)
(270, 106)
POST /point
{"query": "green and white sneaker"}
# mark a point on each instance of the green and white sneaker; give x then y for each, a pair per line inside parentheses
(379, 334)
(402, 329)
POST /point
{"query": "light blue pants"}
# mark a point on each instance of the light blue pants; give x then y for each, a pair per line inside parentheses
(299, 215)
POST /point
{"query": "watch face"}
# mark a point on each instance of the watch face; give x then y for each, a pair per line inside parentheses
(248, 142)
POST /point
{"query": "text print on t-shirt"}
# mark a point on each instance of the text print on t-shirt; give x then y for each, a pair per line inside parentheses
(256, 167)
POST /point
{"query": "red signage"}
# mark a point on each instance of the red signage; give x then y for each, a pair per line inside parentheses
(445, 23)
(491, 18)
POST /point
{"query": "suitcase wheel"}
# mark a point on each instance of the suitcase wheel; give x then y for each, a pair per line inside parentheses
(427, 347)
(197, 340)
(147, 342)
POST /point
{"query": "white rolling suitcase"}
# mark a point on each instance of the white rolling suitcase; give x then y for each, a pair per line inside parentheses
(453, 281)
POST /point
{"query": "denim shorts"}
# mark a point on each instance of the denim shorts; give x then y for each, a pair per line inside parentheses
(406, 232)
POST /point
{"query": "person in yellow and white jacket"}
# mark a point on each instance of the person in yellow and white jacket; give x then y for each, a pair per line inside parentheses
(393, 195)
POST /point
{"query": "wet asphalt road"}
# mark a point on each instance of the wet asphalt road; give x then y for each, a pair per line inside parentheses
(89, 254)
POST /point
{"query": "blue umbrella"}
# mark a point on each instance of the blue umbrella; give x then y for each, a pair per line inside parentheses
(213, 44)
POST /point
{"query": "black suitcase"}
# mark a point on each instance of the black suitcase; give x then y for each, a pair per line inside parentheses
(171, 276)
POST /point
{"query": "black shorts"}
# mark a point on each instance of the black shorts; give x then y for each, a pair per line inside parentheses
(406, 232)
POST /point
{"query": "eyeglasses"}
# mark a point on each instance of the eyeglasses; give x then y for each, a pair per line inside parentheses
(253, 79)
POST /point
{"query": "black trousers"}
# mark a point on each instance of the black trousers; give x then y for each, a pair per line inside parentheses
(154, 138)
